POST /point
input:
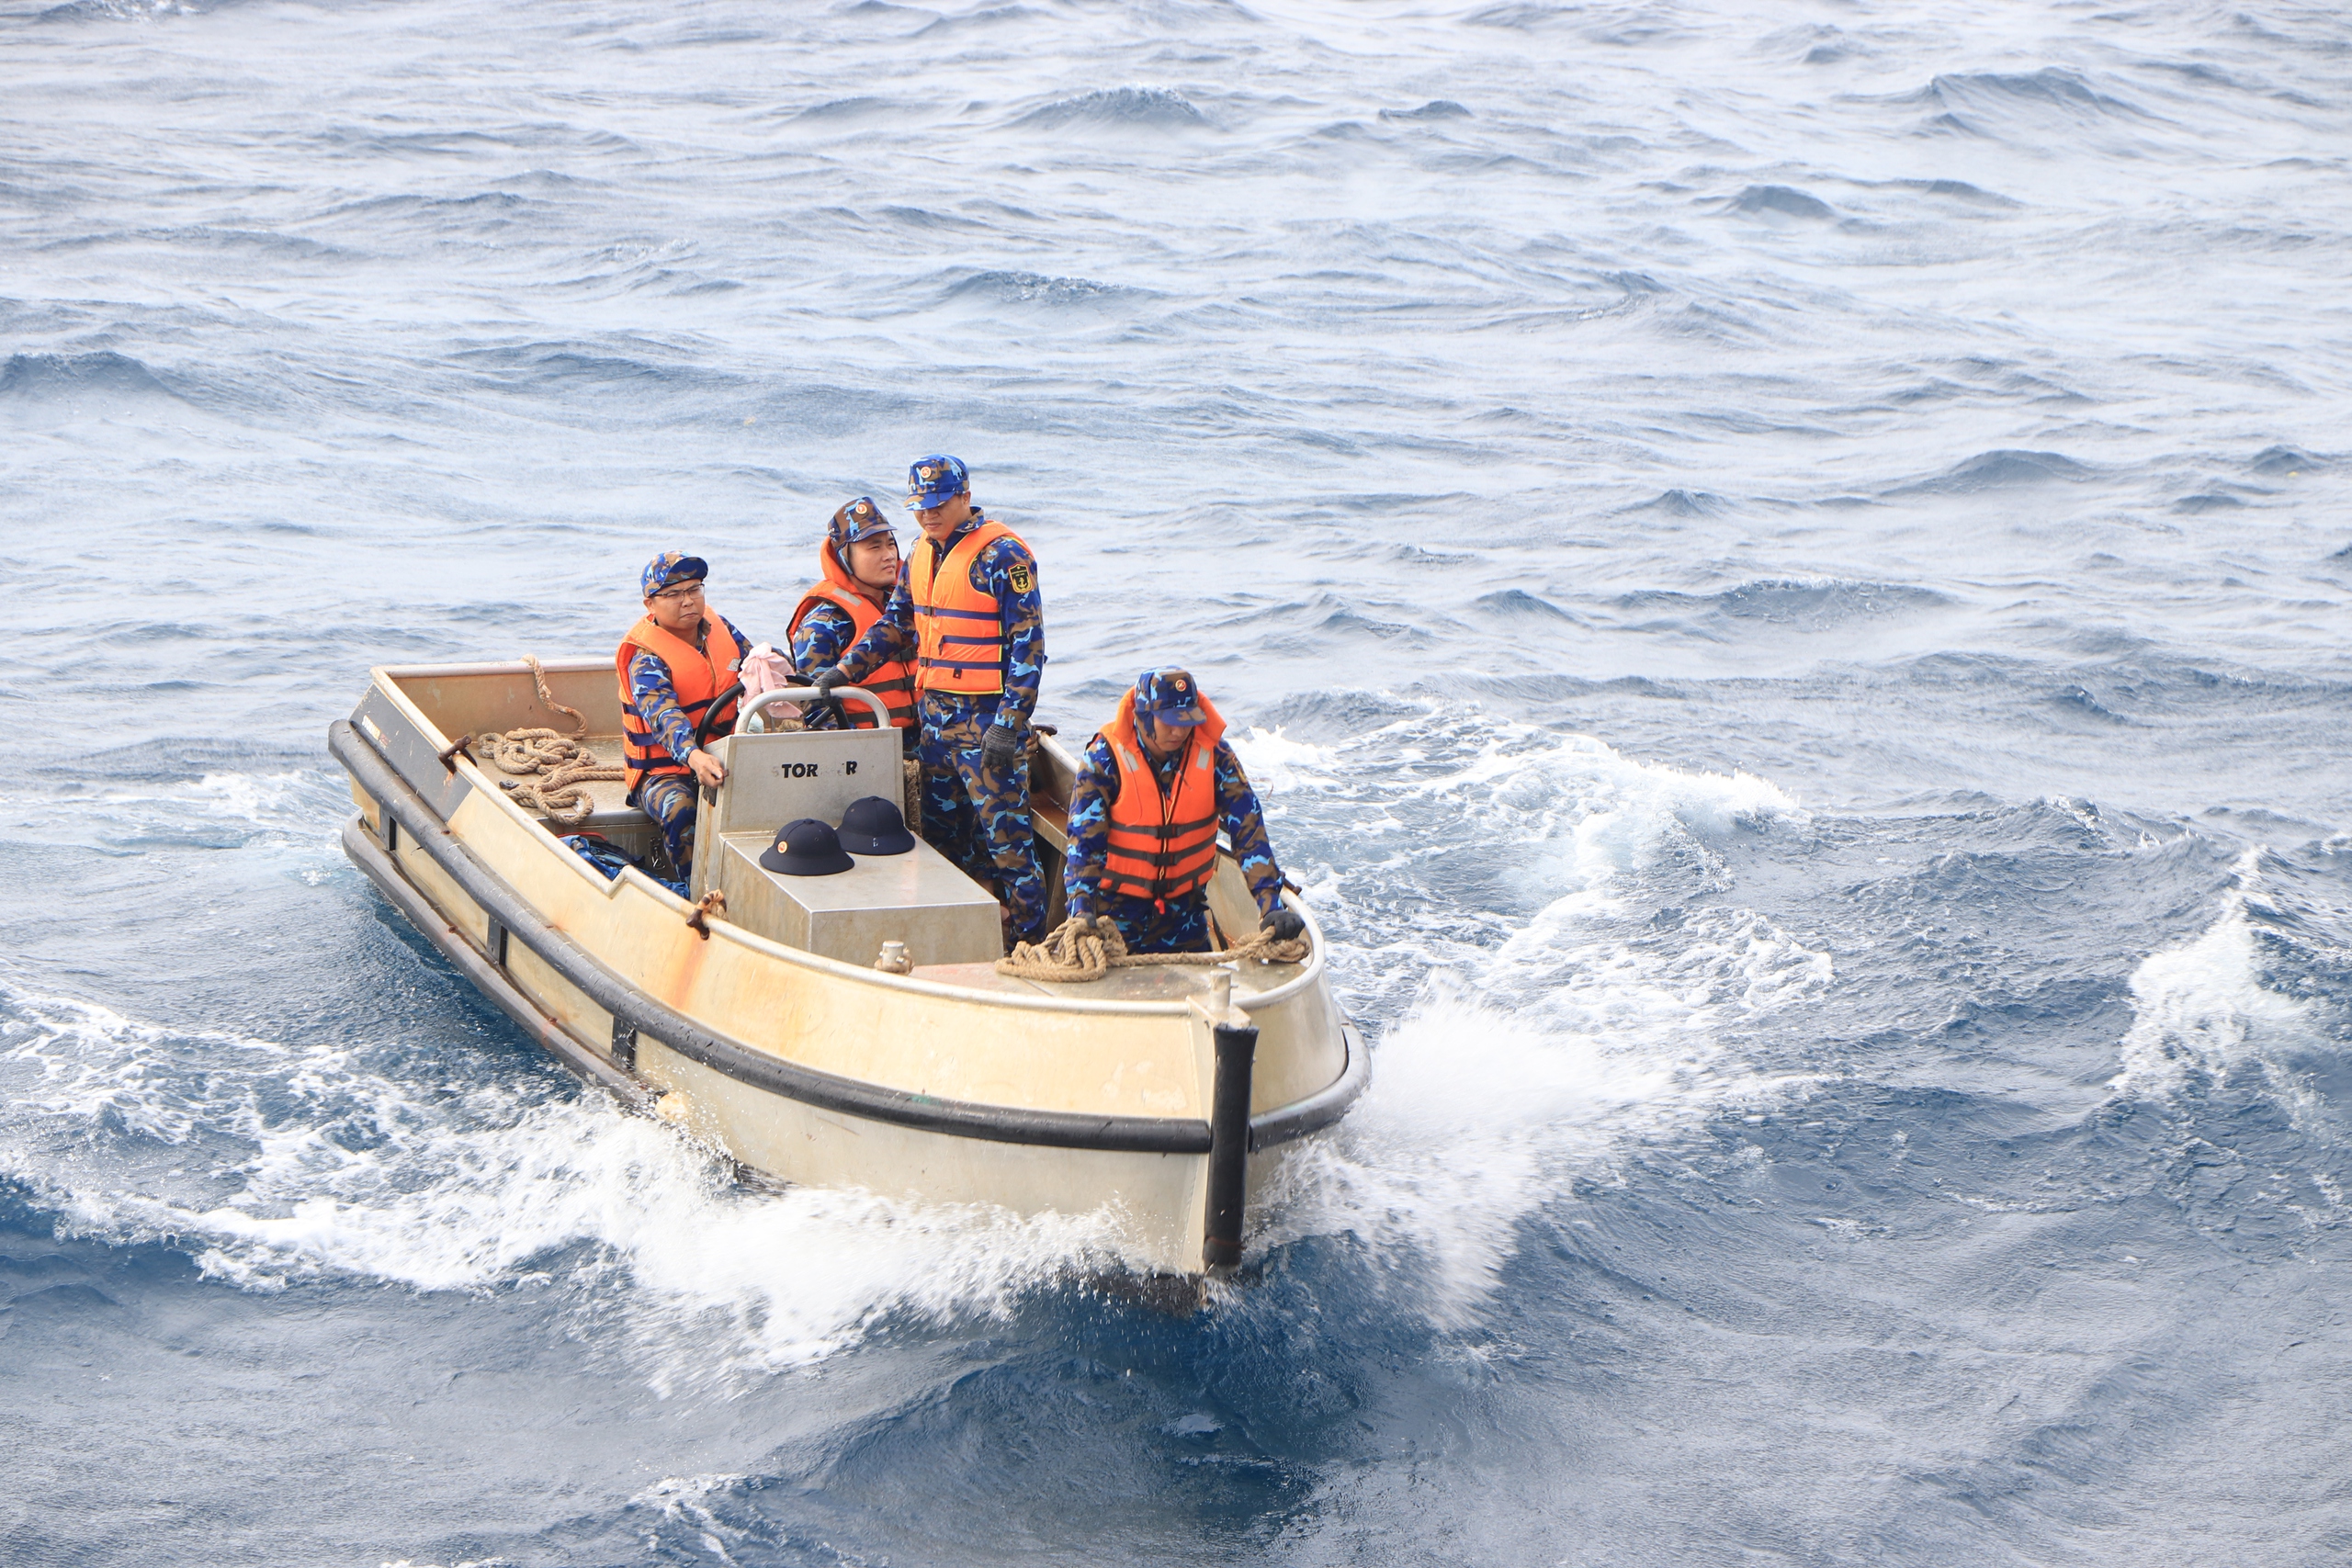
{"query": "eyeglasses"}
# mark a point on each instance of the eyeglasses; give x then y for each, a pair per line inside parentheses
(682, 591)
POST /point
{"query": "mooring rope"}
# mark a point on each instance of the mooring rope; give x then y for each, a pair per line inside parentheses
(1087, 949)
(547, 698)
(563, 764)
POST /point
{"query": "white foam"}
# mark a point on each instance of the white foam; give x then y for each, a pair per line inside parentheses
(337, 1168)
(1278, 764)
(1556, 1045)
(303, 807)
(1590, 812)
(2201, 1008)
(1576, 1038)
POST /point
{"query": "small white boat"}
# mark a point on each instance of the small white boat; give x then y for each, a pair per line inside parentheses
(1161, 1095)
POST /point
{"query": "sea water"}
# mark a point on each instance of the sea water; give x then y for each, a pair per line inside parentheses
(1780, 570)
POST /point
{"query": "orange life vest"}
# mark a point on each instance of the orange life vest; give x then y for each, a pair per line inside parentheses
(696, 676)
(894, 682)
(959, 629)
(1162, 845)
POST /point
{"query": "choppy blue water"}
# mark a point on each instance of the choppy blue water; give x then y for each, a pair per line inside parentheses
(1787, 566)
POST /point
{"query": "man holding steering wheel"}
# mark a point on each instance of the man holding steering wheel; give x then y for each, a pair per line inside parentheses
(672, 665)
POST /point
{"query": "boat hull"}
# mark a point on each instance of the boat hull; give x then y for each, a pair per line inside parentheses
(955, 1089)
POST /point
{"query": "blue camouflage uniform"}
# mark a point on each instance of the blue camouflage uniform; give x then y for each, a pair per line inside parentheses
(822, 639)
(824, 635)
(970, 814)
(1179, 925)
(670, 798)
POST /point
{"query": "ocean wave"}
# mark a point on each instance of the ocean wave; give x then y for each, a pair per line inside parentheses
(1436, 108)
(862, 107)
(290, 1163)
(1158, 108)
(35, 377)
(1785, 200)
(1793, 603)
(1607, 1036)
(123, 10)
(2288, 460)
(2005, 468)
(2204, 1009)
(1680, 502)
(1985, 103)
(1517, 604)
(985, 16)
(1038, 289)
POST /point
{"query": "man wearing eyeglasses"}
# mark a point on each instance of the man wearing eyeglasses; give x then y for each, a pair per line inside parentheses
(672, 665)
(967, 612)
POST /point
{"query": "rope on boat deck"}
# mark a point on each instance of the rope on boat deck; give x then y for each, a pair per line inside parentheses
(547, 698)
(1087, 949)
(565, 765)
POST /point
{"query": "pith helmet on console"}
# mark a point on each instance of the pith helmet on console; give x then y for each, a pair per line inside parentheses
(874, 825)
(807, 848)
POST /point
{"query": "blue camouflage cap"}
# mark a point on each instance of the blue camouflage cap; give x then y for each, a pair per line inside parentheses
(1171, 696)
(860, 519)
(935, 479)
(672, 566)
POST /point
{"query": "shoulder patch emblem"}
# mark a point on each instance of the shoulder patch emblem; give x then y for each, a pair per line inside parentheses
(1019, 577)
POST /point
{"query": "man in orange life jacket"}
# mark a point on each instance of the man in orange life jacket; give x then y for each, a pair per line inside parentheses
(671, 664)
(860, 564)
(1153, 788)
(966, 611)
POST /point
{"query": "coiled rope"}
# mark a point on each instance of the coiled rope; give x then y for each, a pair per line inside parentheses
(1086, 949)
(563, 761)
(563, 764)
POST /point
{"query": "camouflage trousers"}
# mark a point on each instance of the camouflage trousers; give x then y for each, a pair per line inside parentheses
(975, 818)
(1183, 926)
(670, 799)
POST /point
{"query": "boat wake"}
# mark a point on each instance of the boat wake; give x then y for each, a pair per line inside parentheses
(273, 1165)
(394, 1152)
(1541, 1046)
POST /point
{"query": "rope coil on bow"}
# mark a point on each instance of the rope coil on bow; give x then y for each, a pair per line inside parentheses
(1086, 949)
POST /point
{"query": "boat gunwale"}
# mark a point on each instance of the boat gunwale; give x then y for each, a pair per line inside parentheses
(630, 1004)
(391, 674)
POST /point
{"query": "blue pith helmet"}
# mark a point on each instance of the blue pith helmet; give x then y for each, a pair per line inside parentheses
(874, 825)
(1169, 695)
(935, 480)
(807, 848)
(672, 566)
(860, 519)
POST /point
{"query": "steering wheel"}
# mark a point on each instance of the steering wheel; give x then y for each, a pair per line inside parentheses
(711, 715)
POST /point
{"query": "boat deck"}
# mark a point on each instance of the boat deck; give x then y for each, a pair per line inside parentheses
(492, 703)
